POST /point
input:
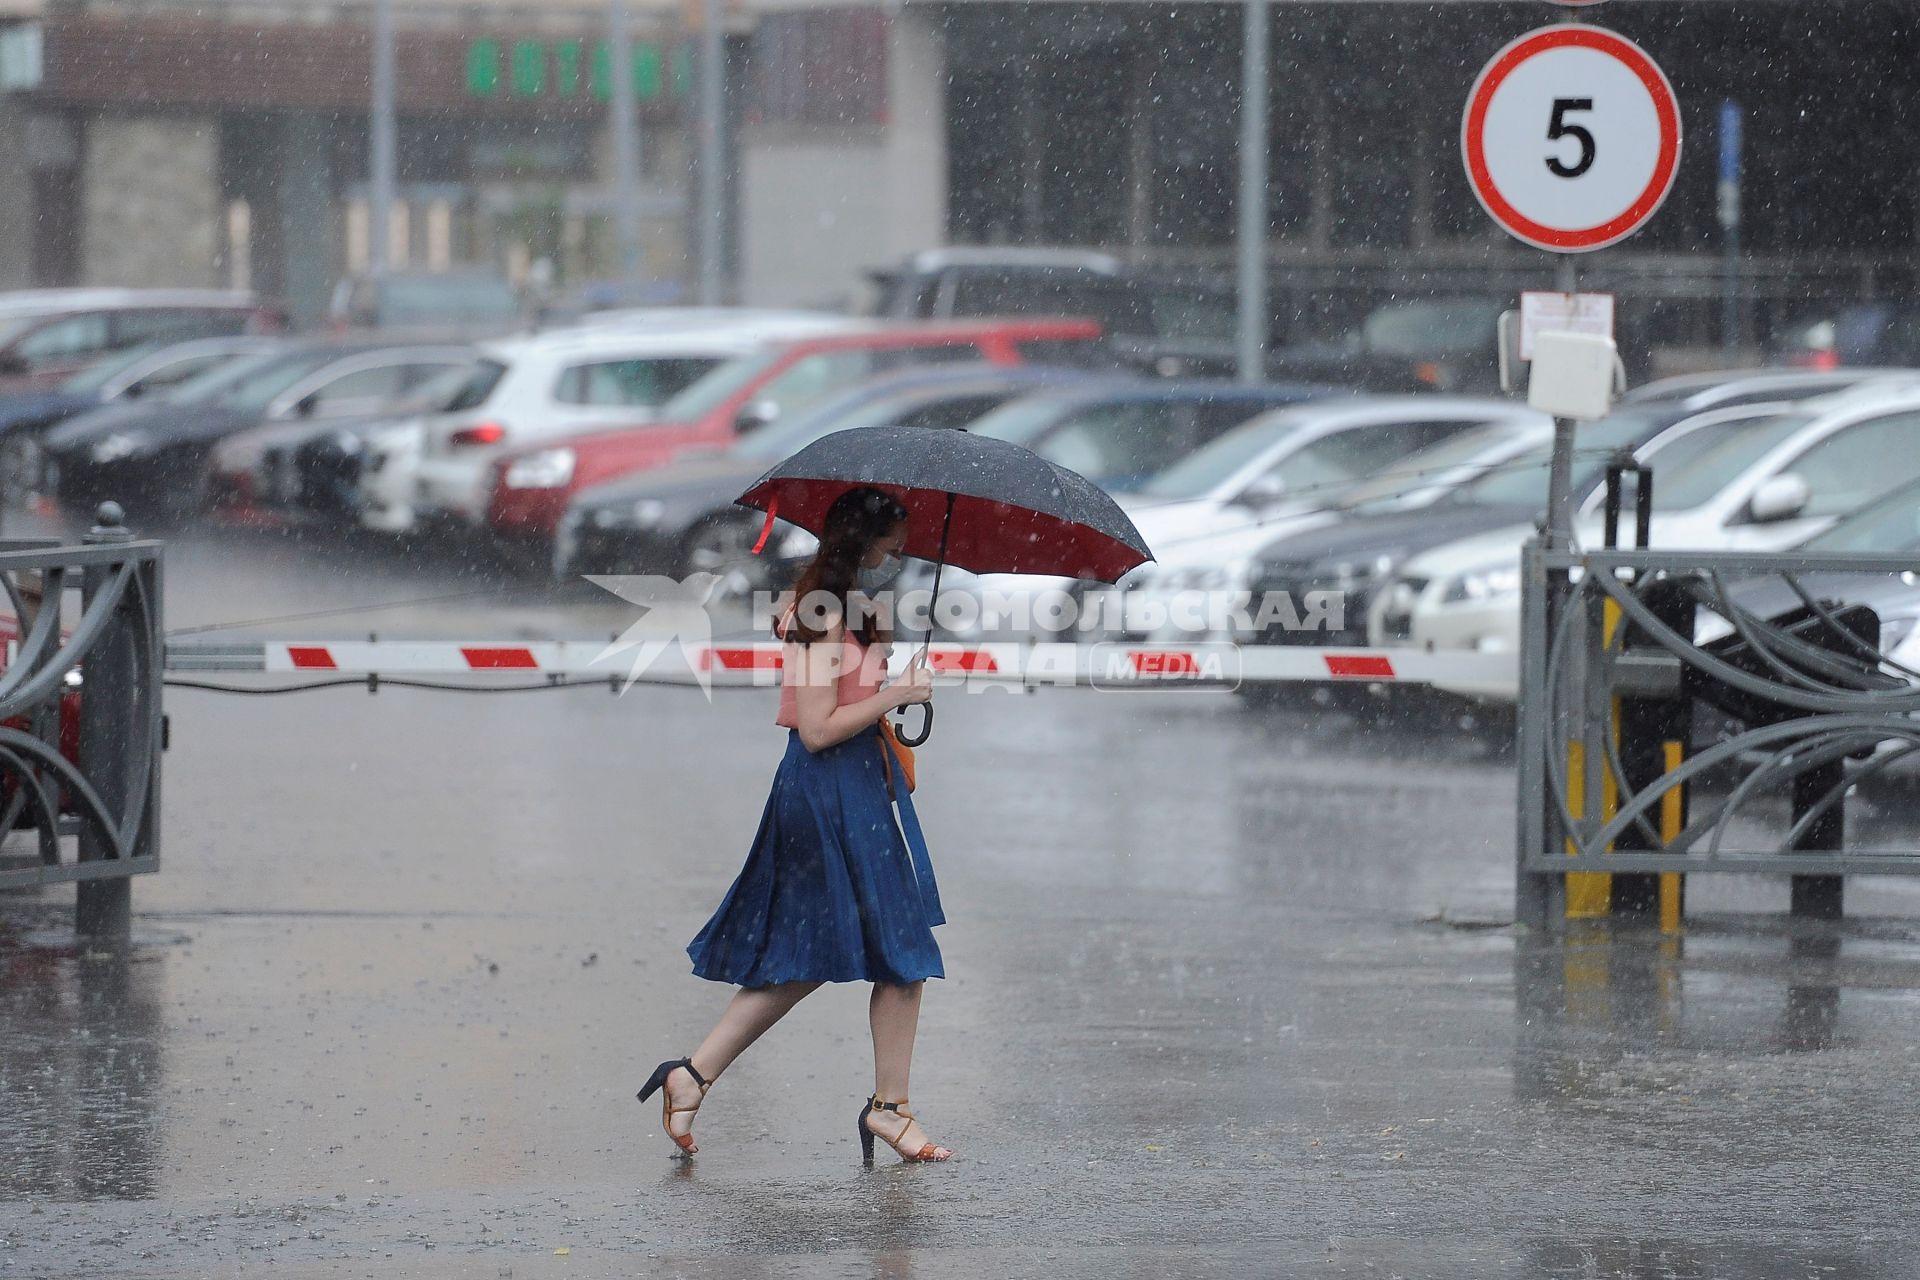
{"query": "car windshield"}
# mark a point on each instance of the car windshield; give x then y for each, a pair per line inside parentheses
(1436, 325)
(716, 388)
(258, 386)
(470, 387)
(785, 437)
(1024, 420)
(1048, 292)
(1205, 470)
(1427, 466)
(95, 376)
(1694, 467)
(1195, 315)
(210, 384)
(432, 300)
(1890, 526)
(1326, 470)
(13, 326)
(1522, 479)
(447, 390)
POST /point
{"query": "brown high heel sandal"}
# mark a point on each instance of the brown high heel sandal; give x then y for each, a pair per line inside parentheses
(658, 1080)
(924, 1154)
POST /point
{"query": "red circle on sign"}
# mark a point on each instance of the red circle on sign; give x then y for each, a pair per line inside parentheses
(1473, 144)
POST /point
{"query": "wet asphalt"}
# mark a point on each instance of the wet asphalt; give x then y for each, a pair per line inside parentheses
(1233, 992)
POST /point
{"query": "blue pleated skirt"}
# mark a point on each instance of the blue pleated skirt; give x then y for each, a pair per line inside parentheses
(834, 889)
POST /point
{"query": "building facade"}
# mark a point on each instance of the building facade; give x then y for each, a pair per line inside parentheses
(223, 145)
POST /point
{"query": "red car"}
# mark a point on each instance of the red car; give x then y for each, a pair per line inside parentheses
(532, 487)
(69, 735)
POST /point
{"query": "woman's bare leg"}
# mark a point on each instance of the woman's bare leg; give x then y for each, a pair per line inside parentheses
(894, 1014)
(747, 1017)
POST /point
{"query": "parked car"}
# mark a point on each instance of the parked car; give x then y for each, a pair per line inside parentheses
(156, 452)
(1204, 558)
(1869, 334)
(141, 372)
(1753, 386)
(1888, 526)
(532, 487)
(1122, 434)
(1734, 480)
(530, 391)
(970, 283)
(1173, 324)
(47, 335)
(449, 304)
(681, 518)
(1361, 553)
(304, 470)
(1125, 439)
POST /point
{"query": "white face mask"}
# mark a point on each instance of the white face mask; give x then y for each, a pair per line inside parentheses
(880, 575)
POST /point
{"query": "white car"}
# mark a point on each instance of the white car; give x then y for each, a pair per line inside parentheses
(1195, 581)
(547, 387)
(1282, 464)
(1755, 478)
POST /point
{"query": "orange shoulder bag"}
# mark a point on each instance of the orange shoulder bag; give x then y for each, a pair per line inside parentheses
(900, 751)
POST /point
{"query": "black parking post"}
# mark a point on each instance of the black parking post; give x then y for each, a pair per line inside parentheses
(1824, 897)
(103, 908)
(1655, 733)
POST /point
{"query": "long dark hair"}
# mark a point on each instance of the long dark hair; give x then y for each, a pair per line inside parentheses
(856, 520)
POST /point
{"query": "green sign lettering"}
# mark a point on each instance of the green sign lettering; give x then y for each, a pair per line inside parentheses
(483, 68)
(529, 68)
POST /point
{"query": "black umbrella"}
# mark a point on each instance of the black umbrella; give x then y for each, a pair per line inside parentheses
(985, 505)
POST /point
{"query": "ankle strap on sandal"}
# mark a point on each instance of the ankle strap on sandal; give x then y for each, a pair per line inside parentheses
(873, 1100)
(694, 1071)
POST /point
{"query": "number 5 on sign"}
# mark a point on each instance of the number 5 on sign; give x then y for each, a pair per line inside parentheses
(1571, 138)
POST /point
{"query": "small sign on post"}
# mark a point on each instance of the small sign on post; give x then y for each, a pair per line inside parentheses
(1543, 311)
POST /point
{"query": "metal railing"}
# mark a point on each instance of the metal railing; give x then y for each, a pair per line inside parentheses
(1622, 651)
(80, 718)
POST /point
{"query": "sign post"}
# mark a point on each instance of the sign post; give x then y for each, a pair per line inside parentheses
(1571, 141)
(1732, 324)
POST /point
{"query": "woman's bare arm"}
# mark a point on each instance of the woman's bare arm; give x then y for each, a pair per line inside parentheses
(823, 723)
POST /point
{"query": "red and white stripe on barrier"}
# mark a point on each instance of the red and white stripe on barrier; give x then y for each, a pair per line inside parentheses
(758, 662)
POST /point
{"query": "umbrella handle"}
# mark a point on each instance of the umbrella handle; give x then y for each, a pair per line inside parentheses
(926, 725)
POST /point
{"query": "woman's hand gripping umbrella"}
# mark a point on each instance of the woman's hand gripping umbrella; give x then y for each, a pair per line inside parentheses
(984, 505)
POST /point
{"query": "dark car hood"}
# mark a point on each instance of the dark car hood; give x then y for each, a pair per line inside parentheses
(164, 416)
(1398, 533)
(159, 424)
(43, 407)
(702, 483)
(1770, 596)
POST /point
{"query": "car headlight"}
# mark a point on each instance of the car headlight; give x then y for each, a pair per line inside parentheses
(116, 446)
(547, 469)
(1211, 577)
(1488, 583)
(1895, 632)
(1350, 573)
(797, 543)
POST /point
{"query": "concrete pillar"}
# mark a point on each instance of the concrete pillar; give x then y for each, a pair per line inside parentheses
(1142, 121)
(1032, 144)
(915, 147)
(151, 212)
(16, 197)
(1320, 144)
(308, 231)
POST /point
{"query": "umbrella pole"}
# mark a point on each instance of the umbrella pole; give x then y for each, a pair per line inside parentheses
(926, 726)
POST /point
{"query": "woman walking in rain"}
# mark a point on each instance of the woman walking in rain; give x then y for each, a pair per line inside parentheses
(834, 888)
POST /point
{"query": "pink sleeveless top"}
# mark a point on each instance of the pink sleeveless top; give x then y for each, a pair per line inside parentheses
(862, 672)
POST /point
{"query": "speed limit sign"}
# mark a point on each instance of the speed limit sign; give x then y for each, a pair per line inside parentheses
(1571, 138)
